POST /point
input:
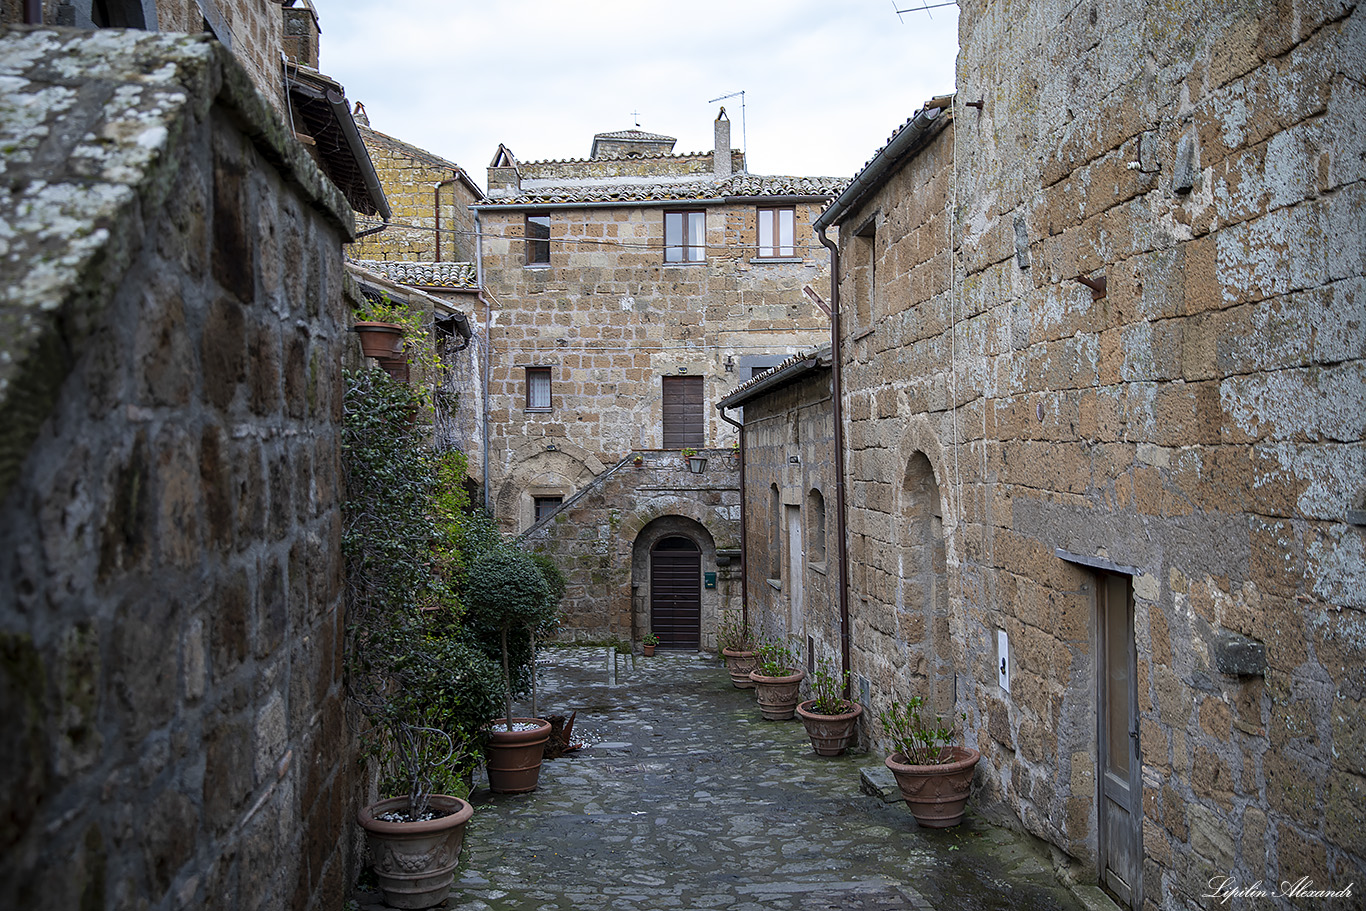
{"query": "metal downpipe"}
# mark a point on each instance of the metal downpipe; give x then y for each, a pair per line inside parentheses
(837, 395)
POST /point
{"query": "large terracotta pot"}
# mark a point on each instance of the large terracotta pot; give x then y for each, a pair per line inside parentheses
(379, 339)
(738, 664)
(415, 861)
(513, 758)
(777, 695)
(936, 794)
(830, 734)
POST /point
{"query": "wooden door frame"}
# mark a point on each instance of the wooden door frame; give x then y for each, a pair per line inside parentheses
(1102, 736)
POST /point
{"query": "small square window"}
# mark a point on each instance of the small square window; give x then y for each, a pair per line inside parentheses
(685, 237)
(777, 232)
(538, 389)
(546, 505)
(538, 240)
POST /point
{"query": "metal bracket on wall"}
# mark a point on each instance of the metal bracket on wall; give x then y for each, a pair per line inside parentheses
(1097, 286)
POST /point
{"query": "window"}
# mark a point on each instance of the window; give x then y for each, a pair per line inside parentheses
(538, 389)
(816, 515)
(685, 237)
(777, 229)
(864, 267)
(546, 505)
(538, 240)
(775, 536)
(684, 425)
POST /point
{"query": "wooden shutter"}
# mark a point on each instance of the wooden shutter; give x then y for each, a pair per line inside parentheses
(683, 421)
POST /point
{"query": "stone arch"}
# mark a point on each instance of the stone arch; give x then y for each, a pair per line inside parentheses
(922, 584)
(537, 471)
(643, 542)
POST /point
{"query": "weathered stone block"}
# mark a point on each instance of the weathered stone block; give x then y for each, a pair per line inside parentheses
(1238, 655)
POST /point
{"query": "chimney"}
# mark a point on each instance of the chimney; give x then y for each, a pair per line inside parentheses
(721, 153)
(301, 34)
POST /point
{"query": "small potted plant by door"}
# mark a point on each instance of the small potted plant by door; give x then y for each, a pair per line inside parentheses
(506, 592)
(934, 775)
(776, 681)
(830, 719)
(648, 643)
(696, 463)
(737, 647)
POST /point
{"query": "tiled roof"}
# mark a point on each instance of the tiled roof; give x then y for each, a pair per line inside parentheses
(636, 135)
(738, 185)
(431, 275)
(815, 357)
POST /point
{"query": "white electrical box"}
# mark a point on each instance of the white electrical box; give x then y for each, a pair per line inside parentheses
(1003, 660)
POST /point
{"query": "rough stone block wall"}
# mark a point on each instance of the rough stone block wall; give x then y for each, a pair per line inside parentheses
(1201, 423)
(601, 539)
(610, 320)
(425, 192)
(170, 580)
(795, 420)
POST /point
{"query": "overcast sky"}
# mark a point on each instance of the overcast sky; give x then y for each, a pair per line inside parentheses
(825, 81)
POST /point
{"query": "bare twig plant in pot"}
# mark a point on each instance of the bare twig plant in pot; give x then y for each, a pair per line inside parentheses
(830, 719)
(737, 647)
(776, 681)
(935, 776)
(508, 593)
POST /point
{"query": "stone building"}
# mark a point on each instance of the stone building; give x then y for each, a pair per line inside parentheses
(629, 290)
(1101, 343)
(171, 599)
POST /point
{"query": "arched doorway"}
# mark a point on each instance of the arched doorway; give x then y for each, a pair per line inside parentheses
(676, 592)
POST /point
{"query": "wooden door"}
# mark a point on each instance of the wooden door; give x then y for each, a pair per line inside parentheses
(676, 593)
(1120, 809)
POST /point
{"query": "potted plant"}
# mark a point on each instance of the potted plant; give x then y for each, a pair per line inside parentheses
(934, 775)
(638, 461)
(776, 680)
(737, 647)
(508, 594)
(830, 719)
(379, 325)
(696, 463)
(648, 642)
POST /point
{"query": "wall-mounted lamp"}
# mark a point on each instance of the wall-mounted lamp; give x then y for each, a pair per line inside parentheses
(551, 447)
(730, 364)
(1097, 286)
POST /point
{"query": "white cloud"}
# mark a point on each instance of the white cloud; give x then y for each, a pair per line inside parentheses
(825, 84)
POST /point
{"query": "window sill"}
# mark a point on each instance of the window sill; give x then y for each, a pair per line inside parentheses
(776, 584)
(693, 262)
(764, 260)
(538, 410)
(817, 567)
(537, 266)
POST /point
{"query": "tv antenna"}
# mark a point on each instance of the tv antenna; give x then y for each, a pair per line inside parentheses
(923, 7)
(744, 140)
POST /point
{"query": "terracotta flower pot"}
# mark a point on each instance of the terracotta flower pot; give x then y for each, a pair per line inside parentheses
(739, 664)
(379, 339)
(396, 367)
(777, 695)
(830, 734)
(415, 861)
(649, 650)
(513, 758)
(936, 794)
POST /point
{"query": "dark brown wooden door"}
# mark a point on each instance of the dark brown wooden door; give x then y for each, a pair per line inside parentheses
(684, 424)
(676, 593)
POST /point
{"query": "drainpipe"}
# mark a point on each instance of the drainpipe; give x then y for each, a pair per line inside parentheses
(488, 345)
(837, 394)
(744, 529)
(436, 210)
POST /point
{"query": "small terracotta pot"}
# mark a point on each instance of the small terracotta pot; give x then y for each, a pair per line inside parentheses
(778, 695)
(936, 794)
(830, 734)
(513, 758)
(649, 650)
(396, 367)
(379, 339)
(415, 861)
(738, 665)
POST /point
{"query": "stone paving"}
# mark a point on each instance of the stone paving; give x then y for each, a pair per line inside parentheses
(686, 798)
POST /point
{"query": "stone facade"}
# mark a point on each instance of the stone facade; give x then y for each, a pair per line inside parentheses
(791, 551)
(171, 614)
(1103, 358)
(612, 322)
(430, 199)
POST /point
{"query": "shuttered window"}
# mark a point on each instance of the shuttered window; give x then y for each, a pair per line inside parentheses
(683, 417)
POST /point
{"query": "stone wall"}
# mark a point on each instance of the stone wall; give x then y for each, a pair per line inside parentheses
(429, 198)
(171, 615)
(794, 421)
(601, 539)
(1196, 427)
